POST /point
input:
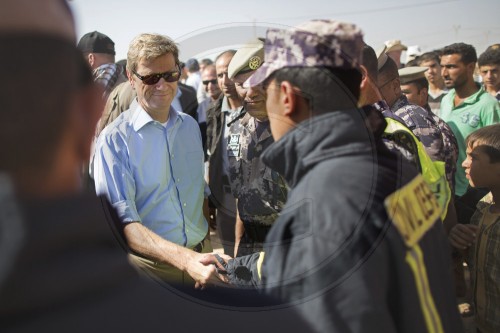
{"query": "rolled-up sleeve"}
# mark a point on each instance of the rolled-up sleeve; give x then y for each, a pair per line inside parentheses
(113, 177)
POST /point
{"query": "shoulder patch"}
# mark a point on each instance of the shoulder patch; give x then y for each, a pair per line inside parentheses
(413, 210)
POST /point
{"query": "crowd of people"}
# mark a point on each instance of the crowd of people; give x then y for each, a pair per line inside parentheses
(348, 190)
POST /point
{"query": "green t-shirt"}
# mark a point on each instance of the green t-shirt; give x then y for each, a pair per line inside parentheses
(477, 111)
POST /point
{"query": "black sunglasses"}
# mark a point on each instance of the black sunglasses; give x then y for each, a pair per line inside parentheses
(154, 78)
(206, 82)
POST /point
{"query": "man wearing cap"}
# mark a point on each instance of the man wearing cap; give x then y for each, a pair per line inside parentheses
(437, 89)
(414, 86)
(415, 117)
(345, 250)
(99, 51)
(259, 191)
(399, 138)
(229, 104)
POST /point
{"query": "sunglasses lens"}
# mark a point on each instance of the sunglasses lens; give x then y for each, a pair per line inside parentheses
(209, 81)
(151, 79)
(172, 77)
(154, 78)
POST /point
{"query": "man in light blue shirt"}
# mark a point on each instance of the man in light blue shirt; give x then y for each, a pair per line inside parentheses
(149, 163)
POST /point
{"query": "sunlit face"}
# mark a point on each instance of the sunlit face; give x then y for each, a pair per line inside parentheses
(157, 97)
(479, 170)
(454, 72)
(210, 83)
(254, 98)
(225, 84)
(413, 95)
(433, 74)
(491, 76)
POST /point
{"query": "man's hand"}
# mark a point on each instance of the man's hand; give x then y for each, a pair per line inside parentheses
(463, 236)
(200, 268)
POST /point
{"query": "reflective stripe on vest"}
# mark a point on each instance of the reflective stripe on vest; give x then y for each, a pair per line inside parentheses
(433, 172)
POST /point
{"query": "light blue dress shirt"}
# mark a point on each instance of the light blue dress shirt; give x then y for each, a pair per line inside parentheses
(153, 173)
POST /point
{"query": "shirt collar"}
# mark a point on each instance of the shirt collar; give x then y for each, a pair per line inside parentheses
(472, 98)
(141, 118)
(225, 106)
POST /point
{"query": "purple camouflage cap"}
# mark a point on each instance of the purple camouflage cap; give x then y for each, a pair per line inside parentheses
(314, 43)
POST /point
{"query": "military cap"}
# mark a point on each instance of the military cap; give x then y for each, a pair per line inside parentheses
(246, 59)
(409, 74)
(395, 45)
(96, 42)
(316, 43)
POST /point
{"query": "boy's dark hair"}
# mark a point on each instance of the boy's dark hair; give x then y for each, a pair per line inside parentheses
(489, 57)
(421, 83)
(343, 84)
(488, 139)
(428, 56)
(467, 52)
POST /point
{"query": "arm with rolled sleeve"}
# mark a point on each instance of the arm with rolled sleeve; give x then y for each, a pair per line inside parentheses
(114, 179)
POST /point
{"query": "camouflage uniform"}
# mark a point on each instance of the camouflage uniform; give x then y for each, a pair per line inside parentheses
(261, 192)
(436, 136)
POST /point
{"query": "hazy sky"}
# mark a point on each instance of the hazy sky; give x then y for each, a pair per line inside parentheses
(203, 28)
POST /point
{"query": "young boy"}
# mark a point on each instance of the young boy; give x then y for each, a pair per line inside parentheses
(482, 236)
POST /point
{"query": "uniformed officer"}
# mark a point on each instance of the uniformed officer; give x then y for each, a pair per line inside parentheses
(415, 87)
(260, 192)
(359, 245)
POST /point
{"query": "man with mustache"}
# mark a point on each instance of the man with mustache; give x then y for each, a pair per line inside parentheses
(259, 191)
(222, 203)
(466, 108)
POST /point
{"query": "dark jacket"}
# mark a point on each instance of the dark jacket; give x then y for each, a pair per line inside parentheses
(215, 121)
(336, 249)
(61, 270)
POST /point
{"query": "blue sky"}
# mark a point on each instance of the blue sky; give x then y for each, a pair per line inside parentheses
(202, 28)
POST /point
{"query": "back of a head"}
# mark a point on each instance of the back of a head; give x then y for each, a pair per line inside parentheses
(342, 85)
(467, 52)
(192, 65)
(52, 17)
(369, 61)
(31, 127)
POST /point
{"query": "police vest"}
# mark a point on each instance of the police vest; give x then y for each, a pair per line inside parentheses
(433, 172)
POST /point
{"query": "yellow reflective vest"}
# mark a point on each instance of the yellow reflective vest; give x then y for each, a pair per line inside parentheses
(432, 171)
